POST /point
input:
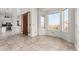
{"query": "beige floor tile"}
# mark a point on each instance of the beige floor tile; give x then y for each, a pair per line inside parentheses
(12, 42)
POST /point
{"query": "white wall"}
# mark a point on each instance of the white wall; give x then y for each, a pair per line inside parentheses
(42, 31)
(70, 36)
(16, 29)
(77, 29)
(34, 13)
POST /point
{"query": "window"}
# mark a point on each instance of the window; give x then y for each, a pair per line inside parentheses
(42, 21)
(65, 23)
(54, 22)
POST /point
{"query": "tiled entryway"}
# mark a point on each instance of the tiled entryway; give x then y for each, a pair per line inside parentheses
(10, 42)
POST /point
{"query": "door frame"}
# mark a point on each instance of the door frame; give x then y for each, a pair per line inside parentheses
(29, 23)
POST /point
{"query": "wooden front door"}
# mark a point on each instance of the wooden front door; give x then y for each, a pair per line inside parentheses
(25, 23)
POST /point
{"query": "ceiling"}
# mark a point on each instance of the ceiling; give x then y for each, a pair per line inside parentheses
(10, 11)
(13, 11)
(50, 10)
(7, 11)
(18, 11)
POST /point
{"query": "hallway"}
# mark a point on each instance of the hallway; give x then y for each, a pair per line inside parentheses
(19, 42)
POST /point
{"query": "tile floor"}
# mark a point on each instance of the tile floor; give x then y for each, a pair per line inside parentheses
(11, 42)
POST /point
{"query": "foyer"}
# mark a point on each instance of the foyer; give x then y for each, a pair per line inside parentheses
(39, 29)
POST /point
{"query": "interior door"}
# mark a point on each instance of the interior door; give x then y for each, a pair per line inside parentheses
(25, 23)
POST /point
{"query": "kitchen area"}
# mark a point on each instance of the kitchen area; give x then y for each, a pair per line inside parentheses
(5, 26)
(5, 23)
(9, 23)
(11, 20)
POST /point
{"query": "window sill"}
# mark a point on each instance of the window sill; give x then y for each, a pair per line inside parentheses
(53, 31)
